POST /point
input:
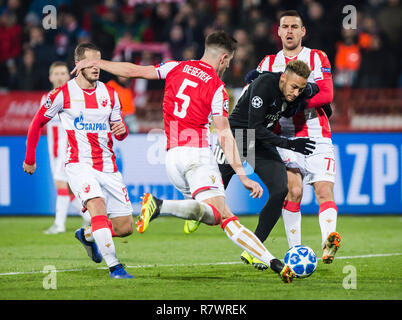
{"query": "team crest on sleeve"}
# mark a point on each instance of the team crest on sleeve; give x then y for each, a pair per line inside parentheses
(257, 102)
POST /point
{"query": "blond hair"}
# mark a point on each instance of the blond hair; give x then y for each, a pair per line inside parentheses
(57, 64)
(298, 67)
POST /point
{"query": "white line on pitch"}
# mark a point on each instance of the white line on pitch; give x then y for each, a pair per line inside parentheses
(194, 264)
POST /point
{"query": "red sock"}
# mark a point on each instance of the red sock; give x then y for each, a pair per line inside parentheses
(217, 215)
(109, 223)
(101, 221)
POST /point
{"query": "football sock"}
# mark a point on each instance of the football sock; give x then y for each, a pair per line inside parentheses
(246, 240)
(62, 203)
(327, 218)
(89, 235)
(292, 219)
(104, 240)
(191, 210)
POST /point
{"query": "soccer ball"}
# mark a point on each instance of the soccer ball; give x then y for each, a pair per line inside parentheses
(302, 260)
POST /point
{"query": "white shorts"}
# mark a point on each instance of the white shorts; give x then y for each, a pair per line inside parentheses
(88, 183)
(57, 144)
(194, 172)
(319, 166)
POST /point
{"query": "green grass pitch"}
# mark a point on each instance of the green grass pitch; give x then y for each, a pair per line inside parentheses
(169, 265)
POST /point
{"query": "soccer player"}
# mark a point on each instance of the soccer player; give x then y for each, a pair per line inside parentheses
(317, 169)
(194, 95)
(57, 145)
(90, 112)
(267, 99)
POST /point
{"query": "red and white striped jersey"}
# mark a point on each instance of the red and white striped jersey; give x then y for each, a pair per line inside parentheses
(311, 122)
(193, 94)
(86, 116)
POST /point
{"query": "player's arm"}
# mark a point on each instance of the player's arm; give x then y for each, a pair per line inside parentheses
(261, 96)
(46, 112)
(323, 79)
(228, 144)
(117, 126)
(123, 69)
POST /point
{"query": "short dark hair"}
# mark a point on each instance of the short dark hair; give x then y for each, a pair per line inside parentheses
(221, 39)
(298, 67)
(79, 51)
(291, 13)
(57, 64)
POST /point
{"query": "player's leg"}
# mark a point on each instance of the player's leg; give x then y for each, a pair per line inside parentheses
(76, 203)
(327, 218)
(247, 240)
(62, 203)
(227, 173)
(320, 172)
(291, 209)
(273, 174)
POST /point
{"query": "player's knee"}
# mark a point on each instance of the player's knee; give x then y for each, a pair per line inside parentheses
(324, 196)
(295, 193)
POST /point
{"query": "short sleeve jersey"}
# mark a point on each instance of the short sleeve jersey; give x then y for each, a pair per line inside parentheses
(86, 117)
(193, 94)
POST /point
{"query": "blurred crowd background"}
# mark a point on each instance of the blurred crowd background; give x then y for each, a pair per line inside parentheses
(149, 31)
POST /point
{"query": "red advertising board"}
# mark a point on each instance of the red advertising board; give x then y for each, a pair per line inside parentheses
(17, 108)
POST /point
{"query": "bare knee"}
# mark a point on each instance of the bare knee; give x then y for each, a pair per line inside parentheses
(96, 206)
(295, 193)
(324, 191)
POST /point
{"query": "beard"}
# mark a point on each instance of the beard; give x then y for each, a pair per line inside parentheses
(89, 77)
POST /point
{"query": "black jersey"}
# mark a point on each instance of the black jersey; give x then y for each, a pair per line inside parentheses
(261, 106)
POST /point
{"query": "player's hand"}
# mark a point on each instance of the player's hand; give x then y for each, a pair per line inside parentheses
(301, 145)
(311, 90)
(118, 128)
(253, 186)
(83, 64)
(30, 169)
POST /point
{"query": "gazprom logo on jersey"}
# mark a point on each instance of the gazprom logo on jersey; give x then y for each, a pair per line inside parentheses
(79, 124)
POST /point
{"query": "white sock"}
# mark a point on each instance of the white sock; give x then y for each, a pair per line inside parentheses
(62, 203)
(327, 218)
(292, 219)
(104, 240)
(190, 210)
(88, 234)
(246, 240)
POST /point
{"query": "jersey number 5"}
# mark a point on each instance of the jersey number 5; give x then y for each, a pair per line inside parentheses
(186, 99)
